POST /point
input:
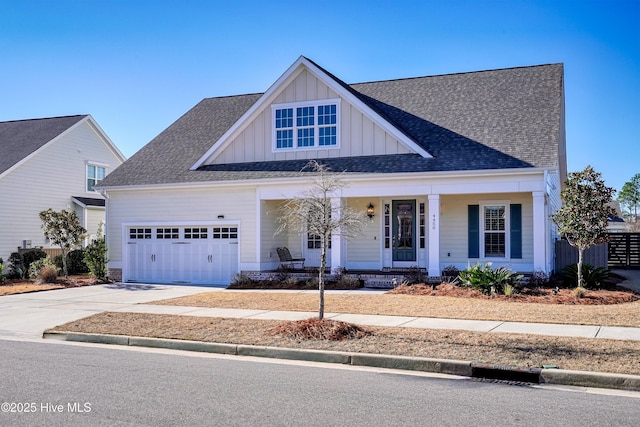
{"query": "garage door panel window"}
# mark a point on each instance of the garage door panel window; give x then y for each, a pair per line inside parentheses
(139, 233)
(195, 233)
(225, 232)
(167, 233)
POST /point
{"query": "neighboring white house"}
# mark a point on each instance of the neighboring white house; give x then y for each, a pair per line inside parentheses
(51, 163)
(458, 168)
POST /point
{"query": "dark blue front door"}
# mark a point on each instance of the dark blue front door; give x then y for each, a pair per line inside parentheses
(404, 220)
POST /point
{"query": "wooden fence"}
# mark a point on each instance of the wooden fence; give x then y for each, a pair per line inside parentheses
(567, 255)
(624, 250)
(52, 252)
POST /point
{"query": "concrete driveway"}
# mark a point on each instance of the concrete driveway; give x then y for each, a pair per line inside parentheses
(28, 315)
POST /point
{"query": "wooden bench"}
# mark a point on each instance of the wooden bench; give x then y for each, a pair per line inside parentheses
(287, 260)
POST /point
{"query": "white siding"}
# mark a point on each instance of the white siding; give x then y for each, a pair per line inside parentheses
(94, 218)
(183, 205)
(270, 241)
(454, 229)
(48, 180)
(359, 135)
(365, 249)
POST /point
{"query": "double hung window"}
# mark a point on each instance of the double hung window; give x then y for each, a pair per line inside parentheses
(95, 174)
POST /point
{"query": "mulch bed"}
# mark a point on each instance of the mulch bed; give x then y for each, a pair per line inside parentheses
(529, 295)
(316, 329)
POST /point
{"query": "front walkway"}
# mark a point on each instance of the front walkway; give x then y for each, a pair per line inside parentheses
(28, 315)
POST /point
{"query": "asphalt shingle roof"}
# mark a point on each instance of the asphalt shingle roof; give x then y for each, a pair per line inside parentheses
(20, 138)
(496, 119)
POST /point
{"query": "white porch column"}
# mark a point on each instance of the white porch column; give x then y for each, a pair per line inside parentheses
(336, 240)
(433, 222)
(539, 231)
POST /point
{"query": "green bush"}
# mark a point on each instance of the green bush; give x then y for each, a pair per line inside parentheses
(95, 258)
(76, 262)
(32, 256)
(488, 280)
(594, 277)
(37, 265)
(16, 266)
(1, 271)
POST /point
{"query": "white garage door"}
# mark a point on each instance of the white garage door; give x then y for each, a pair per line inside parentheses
(182, 254)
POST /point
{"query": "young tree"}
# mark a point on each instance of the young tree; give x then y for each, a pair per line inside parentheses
(629, 197)
(312, 212)
(63, 229)
(583, 217)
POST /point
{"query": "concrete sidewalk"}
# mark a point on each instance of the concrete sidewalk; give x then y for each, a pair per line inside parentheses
(583, 331)
(28, 315)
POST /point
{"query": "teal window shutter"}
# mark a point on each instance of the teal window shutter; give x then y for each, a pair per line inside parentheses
(516, 231)
(474, 231)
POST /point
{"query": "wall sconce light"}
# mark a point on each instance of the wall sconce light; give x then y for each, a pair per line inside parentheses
(220, 216)
(370, 211)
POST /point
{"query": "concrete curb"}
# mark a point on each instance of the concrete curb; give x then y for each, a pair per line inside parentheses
(441, 366)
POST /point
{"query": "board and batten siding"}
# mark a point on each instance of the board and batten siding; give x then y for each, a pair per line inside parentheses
(185, 205)
(454, 230)
(359, 135)
(48, 180)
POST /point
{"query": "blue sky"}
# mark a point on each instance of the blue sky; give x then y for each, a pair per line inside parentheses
(136, 66)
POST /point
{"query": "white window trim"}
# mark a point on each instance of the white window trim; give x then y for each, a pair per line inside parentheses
(294, 105)
(507, 228)
(88, 163)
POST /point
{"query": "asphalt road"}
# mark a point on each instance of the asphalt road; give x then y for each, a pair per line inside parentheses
(58, 384)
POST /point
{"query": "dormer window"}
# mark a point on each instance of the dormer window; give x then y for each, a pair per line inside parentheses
(95, 174)
(306, 125)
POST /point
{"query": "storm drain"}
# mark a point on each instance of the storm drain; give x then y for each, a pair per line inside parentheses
(506, 373)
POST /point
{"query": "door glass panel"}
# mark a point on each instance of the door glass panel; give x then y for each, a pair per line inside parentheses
(405, 226)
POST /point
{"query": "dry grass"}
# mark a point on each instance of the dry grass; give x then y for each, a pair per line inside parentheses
(505, 349)
(25, 287)
(627, 314)
(11, 287)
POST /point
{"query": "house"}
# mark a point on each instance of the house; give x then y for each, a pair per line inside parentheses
(51, 163)
(455, 169)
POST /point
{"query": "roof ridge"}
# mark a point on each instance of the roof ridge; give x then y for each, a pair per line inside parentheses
(458, 73)
(45, 118)
(234, 96)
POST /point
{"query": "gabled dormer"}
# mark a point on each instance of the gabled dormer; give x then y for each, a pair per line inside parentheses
(308, 113)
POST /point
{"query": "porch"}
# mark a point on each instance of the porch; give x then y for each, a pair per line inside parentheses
(429, 232)
(380, 279)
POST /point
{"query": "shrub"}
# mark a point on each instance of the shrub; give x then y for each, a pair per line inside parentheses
(32, 256)
(241, 280)
(414, 276)
(47, 274)
(450, 271)
(349, 281)
(1, 271)
(539, 279)
(36, 266)
(76, 263)
(593, 277)
(578, 291)
(95, 258)
(486, 279)
(16, 266)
